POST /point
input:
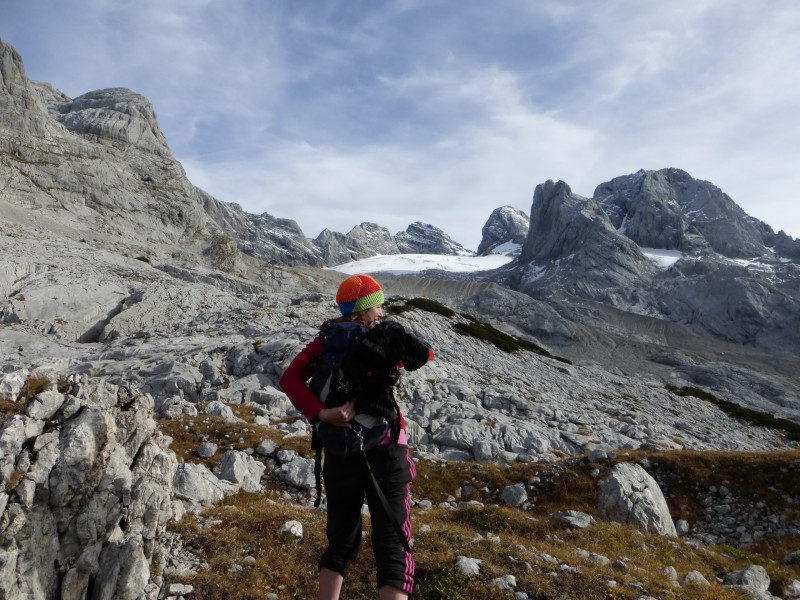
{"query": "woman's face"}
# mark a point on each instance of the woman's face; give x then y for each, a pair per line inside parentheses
(371, 316)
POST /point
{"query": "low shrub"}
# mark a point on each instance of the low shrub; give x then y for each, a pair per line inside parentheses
(433, 306)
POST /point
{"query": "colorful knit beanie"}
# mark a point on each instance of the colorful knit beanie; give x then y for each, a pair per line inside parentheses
(358, 293)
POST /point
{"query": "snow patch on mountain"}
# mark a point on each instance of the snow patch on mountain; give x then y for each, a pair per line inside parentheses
(415, 263)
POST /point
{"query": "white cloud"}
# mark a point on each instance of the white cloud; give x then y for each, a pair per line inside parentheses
(453, 181)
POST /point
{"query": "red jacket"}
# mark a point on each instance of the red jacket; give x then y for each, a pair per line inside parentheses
(293, 381)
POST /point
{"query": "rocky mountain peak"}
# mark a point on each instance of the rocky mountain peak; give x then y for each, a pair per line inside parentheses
(364, 240)
(672, 210)
(506, 225)
(21, 109)
(422, 238)
(572, 243)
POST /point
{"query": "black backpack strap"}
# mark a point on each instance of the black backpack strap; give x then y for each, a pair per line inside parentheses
(316, 445)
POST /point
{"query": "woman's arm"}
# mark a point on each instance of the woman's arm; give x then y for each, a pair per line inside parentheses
(294, 378)
(293, 383)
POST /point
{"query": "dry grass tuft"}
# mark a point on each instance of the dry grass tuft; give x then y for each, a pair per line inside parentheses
(34, 384)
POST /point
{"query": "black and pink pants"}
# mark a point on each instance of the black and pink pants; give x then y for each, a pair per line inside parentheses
(347, 482)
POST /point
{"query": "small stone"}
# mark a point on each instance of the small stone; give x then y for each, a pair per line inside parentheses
(293, 529)
(471, 567)
(514, 495)
(506, 582)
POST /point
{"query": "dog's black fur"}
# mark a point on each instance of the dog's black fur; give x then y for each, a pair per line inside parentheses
(371, 369)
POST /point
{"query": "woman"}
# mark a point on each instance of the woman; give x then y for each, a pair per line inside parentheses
(347, 476)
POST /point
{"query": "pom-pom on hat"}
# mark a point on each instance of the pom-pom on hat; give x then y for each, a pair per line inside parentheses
(358, 293)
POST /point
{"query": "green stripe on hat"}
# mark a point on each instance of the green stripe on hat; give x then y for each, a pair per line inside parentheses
(374, 299)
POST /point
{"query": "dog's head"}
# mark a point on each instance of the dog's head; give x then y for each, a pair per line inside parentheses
(390, 344)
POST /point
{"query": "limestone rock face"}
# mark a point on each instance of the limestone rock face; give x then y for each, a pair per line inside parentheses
(506, 228)
(21, 108)
(95, 453)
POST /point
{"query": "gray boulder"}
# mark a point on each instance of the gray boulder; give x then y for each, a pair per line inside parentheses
(754, 577)
(199, 488)
(573, 518)
(515, 495)
(299, 473)
(630, 495)
(242, 470)
(471, 567)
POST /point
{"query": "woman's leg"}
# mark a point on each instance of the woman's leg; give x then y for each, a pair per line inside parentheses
(394, 470)
(330, 584)
(345, 497)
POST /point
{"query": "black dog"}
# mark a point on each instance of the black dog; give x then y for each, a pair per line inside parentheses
(372, 367)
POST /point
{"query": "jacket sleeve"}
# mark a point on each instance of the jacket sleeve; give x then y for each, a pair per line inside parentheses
(294, 378)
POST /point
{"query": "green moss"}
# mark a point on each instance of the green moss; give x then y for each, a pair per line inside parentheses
(761, 419)
(442, 582)
(473, 328)
(487, 333)
(391, 307)
(742, 554)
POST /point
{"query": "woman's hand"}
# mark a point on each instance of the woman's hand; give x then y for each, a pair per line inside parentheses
(339, 415)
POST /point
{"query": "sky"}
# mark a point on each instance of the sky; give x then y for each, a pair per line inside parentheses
(341, 112)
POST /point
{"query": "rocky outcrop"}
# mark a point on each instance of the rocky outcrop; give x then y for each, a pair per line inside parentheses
(505, 231)
(22, 110)
(116, 114)
(96, 168)
(420, 238)
(89, 493)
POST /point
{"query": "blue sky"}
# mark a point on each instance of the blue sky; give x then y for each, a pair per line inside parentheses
(339, 112)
